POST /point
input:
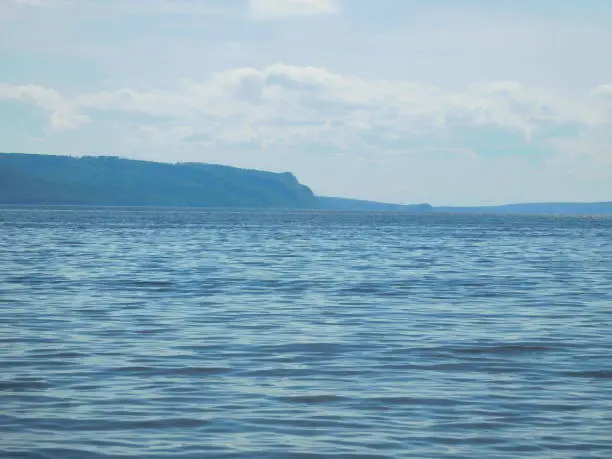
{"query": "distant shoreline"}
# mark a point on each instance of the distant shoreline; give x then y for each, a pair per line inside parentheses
(434, 211)
(37, 180)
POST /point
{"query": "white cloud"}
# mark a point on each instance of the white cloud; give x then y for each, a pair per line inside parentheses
(41, 3)
(594, 145)
(32, 2)
(63, 114)
(98, 9)
(278, 9)
(184, 7)
(292, 106)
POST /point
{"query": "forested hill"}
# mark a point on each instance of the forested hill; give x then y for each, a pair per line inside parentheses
(107, 180)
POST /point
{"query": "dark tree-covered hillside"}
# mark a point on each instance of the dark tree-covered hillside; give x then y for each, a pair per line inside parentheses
(107, 180)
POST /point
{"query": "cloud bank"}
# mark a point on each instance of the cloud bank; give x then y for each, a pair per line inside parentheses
(288, 106)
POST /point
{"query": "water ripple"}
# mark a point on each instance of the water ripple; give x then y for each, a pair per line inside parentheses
(177, 333)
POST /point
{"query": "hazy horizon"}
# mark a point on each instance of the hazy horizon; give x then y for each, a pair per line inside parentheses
(449, 102)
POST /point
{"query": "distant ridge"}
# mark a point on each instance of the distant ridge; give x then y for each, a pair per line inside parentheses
(329, 203)
(555, 208)
(109, 180)
(552, 208)
(36, 179)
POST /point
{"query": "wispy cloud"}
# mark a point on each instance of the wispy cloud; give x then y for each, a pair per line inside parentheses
(42, 3)
(33, 2)
(191, 7)
(259, 9)
(63, 115)
(280, 9)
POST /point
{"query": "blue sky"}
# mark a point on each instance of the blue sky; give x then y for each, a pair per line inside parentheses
(444, 101)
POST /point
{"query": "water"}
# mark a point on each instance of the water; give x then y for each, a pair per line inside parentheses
(193, 334)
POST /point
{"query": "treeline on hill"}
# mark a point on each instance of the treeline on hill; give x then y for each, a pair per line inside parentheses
(31, 179)
(108, 180)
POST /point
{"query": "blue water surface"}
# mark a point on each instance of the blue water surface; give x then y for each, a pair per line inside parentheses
(177, 333)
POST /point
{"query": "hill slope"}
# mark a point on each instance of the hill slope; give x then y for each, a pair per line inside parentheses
(104, 180)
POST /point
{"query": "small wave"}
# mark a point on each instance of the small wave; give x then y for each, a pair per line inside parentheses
(23, 385)
(312, 399)
(502, 349)
(593, 374)
(399, 400)
(305, 348)
(164, 371)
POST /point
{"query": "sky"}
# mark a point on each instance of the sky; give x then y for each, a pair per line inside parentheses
(450, 102)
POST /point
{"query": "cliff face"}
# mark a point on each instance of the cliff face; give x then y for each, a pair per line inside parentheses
(102, 180)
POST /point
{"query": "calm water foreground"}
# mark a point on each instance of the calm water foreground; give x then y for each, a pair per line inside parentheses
(194, 334)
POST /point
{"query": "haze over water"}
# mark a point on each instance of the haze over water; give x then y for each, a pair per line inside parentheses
(192, 333)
